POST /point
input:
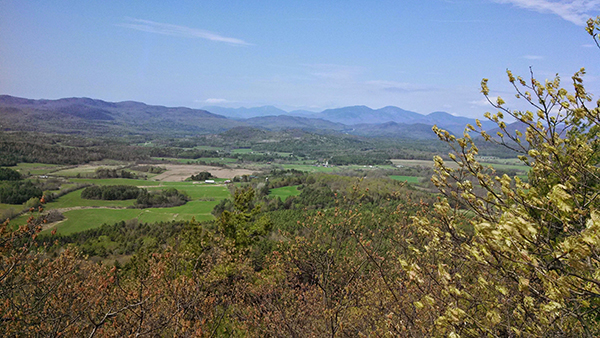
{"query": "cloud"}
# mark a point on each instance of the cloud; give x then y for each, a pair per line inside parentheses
(215, 101)
(480, 103)
(533, 57)
(575, 11)
(182, 31)
(397, 87)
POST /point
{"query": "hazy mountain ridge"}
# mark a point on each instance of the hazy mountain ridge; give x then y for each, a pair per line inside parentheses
(97, 117)
(89, 116)
(356, 118)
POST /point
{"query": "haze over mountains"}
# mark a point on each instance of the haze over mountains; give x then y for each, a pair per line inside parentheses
(97, 117)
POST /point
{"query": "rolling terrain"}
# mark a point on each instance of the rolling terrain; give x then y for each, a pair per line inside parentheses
(90, 117)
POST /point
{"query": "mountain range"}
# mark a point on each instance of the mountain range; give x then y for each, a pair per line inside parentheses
(101, 118)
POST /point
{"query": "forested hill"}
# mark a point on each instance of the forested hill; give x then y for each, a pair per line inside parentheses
(97, 117)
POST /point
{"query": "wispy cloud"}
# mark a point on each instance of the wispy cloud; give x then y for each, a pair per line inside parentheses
(215, 101)
(480, 103)
(575, 11)
(176, 30)
(397, 87)
(533, 57)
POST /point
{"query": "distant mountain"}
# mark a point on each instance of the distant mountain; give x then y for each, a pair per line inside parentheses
(349, 115)
(356, 115)
(451, 123)
(101, 118)
(301, 113)
(399, 115)
(245, 113)
(282, 122)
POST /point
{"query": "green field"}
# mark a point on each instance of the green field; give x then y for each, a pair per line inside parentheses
(73, 199)
(82, 214)
(409, 179)
(241, 151)
(84, 219)
(36, 168)
(285, 192)
(203, 198)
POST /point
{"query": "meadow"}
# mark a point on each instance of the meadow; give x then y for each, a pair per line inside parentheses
(285, 192)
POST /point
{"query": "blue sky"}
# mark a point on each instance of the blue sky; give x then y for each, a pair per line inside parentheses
(425, 56)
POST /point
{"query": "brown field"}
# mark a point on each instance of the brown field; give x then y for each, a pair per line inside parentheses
(179, 172)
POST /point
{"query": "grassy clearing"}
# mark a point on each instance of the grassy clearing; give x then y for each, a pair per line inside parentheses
(80, 220)
(499, 166)
(35, 168)
(203, 197)
(84, 219)
(86, 169)
(198, 191)
(409, 179)
(223, 160)
(74, 199)
(4, 206)
(241, 151)
(285, 192)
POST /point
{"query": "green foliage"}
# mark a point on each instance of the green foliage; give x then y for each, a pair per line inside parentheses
(531, 265)
(17, 192)
(63, 149)
(241, 224)
(160, 199)
(114, 173)
(202, 176)
(110, 192)
(7, 174)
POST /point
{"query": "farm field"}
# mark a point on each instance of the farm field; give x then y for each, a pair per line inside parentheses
(36, 168)
(203, 198)
(285, 192)
(84, 219)
(409, 179)
(82, 214)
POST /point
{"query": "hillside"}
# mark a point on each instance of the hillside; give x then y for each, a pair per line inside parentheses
(100, 118)
(90, 117)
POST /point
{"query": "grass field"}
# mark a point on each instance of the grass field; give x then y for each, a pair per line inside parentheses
(36, 168)
(73, 199)
(84, 219)
(203, 197)
(87, 169)
(285, 192)
(409, 179)
(241, 151)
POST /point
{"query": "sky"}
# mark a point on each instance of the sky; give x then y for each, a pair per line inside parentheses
(419, 55)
